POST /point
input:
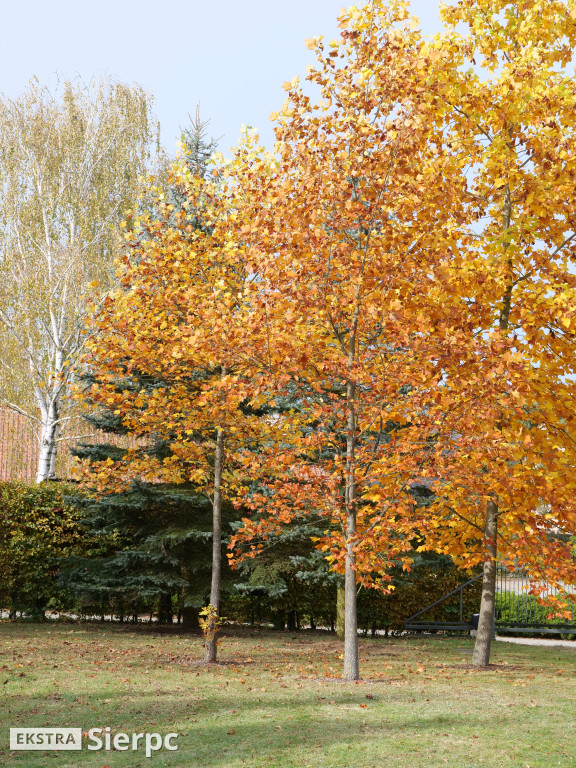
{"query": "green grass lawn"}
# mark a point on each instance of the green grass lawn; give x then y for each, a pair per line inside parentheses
(277, 700)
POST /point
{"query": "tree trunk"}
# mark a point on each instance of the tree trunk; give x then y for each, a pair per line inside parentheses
(52, 474)
(14, 606)
(279, 620)
(211, 640)
(351, 665)
(291, 621)
(49, 434)
(190, 621)
(481, 656)
(340, 611)
(165, 613)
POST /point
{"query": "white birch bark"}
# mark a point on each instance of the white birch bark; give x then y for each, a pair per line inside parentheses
(69, 169)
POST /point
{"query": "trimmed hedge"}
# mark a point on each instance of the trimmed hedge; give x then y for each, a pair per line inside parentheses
(36, 529)
(41, 535)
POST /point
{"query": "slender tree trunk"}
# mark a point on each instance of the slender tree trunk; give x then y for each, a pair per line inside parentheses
(211, 642)
(14, 606)
(340, 611)
(49, 434)
(481, 656)
(351, 665)
(165, 615)
(54, 452)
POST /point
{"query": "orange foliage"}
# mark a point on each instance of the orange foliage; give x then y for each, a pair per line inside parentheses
(401, 273)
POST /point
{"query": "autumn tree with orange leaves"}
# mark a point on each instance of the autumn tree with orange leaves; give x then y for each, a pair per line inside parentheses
(402, 272)
(177, 286)
(510, 486)
(419, 274)
(344, 233)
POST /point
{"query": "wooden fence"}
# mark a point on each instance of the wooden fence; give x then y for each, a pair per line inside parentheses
(19, 447)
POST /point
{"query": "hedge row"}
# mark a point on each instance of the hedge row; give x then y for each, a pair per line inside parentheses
(40, 534)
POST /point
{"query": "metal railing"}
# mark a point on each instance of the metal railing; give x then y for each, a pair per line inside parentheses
(451, 626)
(516, 610)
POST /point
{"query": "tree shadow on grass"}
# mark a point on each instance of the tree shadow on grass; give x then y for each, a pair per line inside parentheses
(218, 729)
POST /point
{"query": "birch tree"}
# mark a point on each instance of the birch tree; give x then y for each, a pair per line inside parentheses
(69, 168)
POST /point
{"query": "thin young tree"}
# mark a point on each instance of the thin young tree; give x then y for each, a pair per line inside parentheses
(179, 284)
(344, 233)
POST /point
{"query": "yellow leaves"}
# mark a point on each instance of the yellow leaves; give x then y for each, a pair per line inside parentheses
(290, 85)
(364, 75)
(294, 219)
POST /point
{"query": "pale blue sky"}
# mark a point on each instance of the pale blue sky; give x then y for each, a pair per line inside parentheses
(230, 56)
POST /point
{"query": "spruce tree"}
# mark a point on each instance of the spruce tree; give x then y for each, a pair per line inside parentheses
(157, 538)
